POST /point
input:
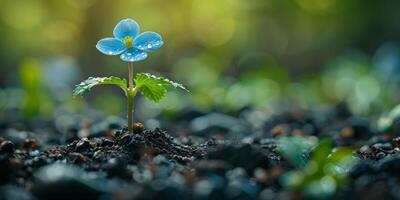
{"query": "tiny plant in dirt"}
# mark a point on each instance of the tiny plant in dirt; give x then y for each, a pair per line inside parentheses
(132, 47)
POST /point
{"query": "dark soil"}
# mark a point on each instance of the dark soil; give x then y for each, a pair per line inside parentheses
(216, 162)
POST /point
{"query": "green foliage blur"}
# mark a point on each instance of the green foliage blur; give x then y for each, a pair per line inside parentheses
(230, 53)
(320, 175)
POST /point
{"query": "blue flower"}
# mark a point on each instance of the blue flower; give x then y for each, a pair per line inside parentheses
(129, 43)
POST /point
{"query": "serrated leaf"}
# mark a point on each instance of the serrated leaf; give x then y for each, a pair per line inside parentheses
(87, 84)
(154, 88)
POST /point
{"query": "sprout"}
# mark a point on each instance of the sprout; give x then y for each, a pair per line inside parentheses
(318, 176)
(133, 47)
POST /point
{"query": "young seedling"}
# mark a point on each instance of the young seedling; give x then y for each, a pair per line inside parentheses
(132, 47)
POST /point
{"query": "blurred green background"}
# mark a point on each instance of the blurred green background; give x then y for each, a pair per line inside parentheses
(232, 54)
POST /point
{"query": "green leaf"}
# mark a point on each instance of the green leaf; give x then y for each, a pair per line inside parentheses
(154, 88)
(293, 149)
(87, 84)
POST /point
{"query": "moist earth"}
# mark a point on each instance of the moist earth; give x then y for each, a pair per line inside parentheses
(231, 157)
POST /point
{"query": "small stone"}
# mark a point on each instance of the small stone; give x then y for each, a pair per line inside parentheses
(387, 135)
(298, 133)
(365, 149)
(97, 154)
(30, 144)
(396, 140)
(380, 155)
(59, 157)
(16, 162)
(34, 153)
(78, 158)
(276, 172)
(118, 133)
(68, 182)
(278, 130)
(7, 147)
(347, 132)
(261, 175)
(107, 142)
(390, 165)
(384, 146)
(138, 127)
(236, 173)
(72, 145)
(125, 139)
(39, 161)
(82, 145)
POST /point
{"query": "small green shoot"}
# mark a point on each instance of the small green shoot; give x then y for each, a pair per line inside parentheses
(319, 176)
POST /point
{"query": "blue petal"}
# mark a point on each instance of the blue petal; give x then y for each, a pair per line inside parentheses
(110, 46)
(133, 55)
(126, 27)
(148, 41)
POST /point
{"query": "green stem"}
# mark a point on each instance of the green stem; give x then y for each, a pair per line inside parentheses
(130, 112)
(130, 95)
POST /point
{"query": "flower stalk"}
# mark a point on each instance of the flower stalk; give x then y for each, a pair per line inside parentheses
(130, 95)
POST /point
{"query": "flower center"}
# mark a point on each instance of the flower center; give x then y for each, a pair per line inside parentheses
(128, 41)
